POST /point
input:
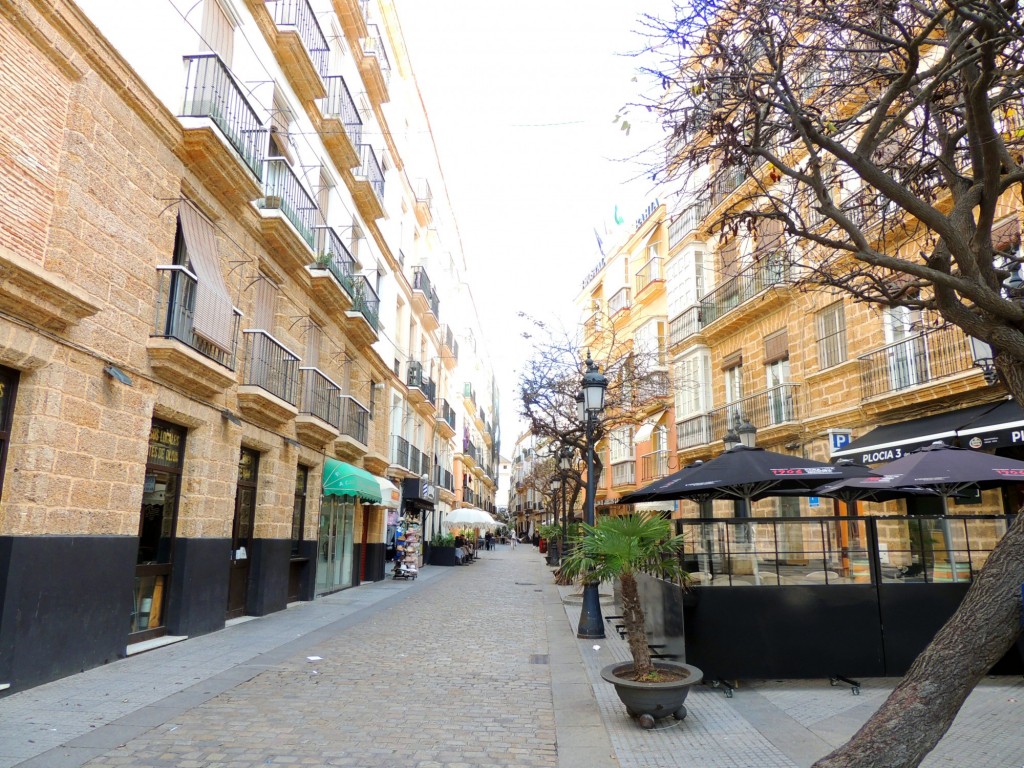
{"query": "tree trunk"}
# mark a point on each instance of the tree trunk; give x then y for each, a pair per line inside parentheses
(633, 621)
(922, 707)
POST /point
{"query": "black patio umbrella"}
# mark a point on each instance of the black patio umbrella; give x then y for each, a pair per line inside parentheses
(868, 488)
(739, 473)
(950, 471)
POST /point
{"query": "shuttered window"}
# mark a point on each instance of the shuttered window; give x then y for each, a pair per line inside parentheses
(218, 32)
(831, 322)
(776, 346)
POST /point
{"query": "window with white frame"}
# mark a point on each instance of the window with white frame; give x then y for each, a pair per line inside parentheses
(693, 384)
(620, 443)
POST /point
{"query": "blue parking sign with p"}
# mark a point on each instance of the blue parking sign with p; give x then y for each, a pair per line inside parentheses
(839, 439)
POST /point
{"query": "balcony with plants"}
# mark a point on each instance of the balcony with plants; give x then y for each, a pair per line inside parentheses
(269, 391)
(288, 215)
(224, 138)
(194, 340)
(333, 273)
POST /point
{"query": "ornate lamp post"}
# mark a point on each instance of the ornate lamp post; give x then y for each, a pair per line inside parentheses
(592, 402)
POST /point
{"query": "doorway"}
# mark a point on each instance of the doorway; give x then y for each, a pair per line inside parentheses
(242, 532)
(335, 544)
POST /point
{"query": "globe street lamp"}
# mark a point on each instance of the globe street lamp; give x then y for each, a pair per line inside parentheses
(591, 400)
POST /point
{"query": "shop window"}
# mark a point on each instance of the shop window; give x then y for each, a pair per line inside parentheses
(157, 523)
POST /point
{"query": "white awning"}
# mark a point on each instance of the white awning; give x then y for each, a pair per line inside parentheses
(390, 496)
(644, 433)
(654, 506)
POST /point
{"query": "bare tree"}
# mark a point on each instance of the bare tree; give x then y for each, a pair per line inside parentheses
(881, 142)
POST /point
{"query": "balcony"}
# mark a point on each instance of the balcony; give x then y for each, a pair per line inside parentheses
(469, 396)
(684, 325)
(449, 346)
(407, 456)
(445, 419)
(301, 47)
(319, 408)
(650, 273)
(352, 15)
(444, 479)
(416, 382)
(332, 274)
(687, 221)
(288, 215)
(775, 411)
(424, 298)
(424, 203)
(771, 270)
(375, 66)
(270, 387)
(354, 425)
(341, 128)
(653, 466)
(619, 301)
(922, 359)
(693, 432)
(653, 387)
(361, 322)
(470, 453)
(623, 473)
(180, 354)
(368, 188)
(725, 184)
(224, 139)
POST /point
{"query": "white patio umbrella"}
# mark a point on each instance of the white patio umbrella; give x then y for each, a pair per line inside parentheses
(470, 517)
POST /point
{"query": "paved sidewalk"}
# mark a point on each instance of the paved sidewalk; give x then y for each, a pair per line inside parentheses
(473, 666)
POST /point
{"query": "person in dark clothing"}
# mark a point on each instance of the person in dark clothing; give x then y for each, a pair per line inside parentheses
(489, 541)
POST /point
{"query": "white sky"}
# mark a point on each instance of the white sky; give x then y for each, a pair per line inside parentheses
(521, 98)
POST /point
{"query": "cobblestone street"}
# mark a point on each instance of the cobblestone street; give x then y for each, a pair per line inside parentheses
(474, 666)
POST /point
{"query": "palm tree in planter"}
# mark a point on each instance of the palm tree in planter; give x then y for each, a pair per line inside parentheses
(620, 548)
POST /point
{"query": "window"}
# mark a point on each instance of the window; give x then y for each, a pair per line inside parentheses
(299, 507)
(692, 387)
(732, 369)
(218, 32)
(621, 444)
(8, 389)
(373, 398)
(831, 322)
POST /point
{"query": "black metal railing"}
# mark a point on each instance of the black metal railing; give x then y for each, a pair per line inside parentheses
(430, 390)
(355, 419)
(299, 14)
(693, 431)
(332, 255)
(468, 392)
(414, 377)
(687, 221)
(321, 397)
(365, 300)
(920, 359)
(770, 407)
(270, 365)
(448, 335)
(448, 413)
(177, 298)
(772, 269)
(373, 45)
(725, 184)
(684, 325)
(369, 169)
(211, 92)
(624, 473)
(283, 191)
(421, 282)
(340, 104)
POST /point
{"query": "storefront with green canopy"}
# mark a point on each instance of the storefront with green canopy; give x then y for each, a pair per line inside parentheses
(343, 484)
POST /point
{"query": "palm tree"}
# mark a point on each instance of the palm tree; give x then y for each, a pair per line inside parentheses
(619, 548)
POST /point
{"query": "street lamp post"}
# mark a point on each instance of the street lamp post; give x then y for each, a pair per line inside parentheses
(591, 624)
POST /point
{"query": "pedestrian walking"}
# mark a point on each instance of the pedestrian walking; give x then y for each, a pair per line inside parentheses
(489, 541)
(513, 540)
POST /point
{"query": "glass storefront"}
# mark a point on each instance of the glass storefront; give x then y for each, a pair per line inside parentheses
(157, 519)
(334, 547)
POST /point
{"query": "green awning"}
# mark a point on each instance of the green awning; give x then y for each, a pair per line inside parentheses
(341, 479)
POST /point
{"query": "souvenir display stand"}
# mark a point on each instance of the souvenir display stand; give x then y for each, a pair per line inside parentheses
(407, 549)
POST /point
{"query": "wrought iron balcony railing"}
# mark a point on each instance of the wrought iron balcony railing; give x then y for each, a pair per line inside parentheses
(693, 431)
(414, 374)
(770, 407)
(725, 184)
(365, 300)
(409, 456)
(283, 191)
(332, 255)
(687, 221)
(624, 473)
(444, 479)
(421, 282)
(369, 169)
(920, 359)
(270, 365)
(373, 45)
(448, 413)
(649, 273)
(211, 92)
(684, 325)
(177, 298)
(773, 269)
(321, 397)
(468, 392)
(340, 104)
(355, 419)
(299, 14)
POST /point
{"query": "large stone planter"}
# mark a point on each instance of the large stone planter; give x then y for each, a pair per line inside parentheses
(649, 701)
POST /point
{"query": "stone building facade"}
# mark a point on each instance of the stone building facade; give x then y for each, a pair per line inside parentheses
(215, 258)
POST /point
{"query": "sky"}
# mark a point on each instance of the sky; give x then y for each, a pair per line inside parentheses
(522, 99)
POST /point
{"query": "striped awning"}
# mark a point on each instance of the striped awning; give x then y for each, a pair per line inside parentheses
(341, 479)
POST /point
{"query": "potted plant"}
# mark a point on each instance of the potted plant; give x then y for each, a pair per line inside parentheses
(620, 548)
(442, 549)
(552, 535)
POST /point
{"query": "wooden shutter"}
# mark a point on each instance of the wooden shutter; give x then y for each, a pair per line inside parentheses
(266, 298)
(776, 346)
(732, 360)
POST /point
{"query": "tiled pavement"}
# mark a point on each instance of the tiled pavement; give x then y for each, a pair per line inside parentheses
(473, 666)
